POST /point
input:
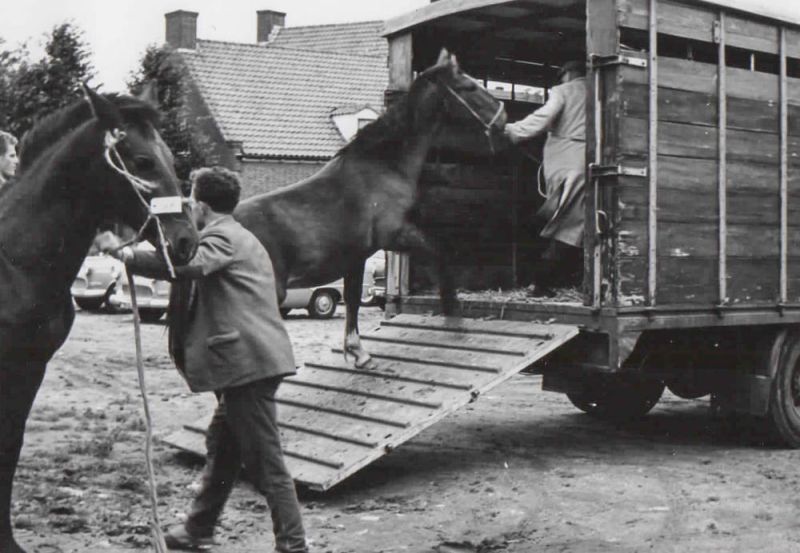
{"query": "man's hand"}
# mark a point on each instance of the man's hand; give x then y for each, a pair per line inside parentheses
(509, 133)
(107, 242)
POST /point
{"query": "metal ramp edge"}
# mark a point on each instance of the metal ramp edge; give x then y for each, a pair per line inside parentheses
(335, 419)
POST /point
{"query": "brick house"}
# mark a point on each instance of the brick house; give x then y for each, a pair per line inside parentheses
(279, 108)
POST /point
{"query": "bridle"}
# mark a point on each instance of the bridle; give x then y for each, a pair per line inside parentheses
(140, 187)
(487, 127)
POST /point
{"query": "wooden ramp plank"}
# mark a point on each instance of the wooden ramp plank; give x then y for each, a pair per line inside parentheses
(335, 419)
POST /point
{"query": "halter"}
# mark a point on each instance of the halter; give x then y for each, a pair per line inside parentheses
(487, 127)
(140, 187)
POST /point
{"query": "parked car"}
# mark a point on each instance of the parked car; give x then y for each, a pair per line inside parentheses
(374, 293)
(152, 296)
(96, 281)
(319, 301)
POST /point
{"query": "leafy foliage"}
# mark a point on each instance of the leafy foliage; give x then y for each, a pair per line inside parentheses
(159, 67)
(29, 90)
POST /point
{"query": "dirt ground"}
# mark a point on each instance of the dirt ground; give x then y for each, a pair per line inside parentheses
(519, 471)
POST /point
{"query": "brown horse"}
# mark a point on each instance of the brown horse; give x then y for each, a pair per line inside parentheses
(48, 218)
(365, 198)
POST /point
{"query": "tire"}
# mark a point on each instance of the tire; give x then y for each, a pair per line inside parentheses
(618, 399)
(284, 312)
(687, 388)
(322, 304)
(90, 304)
(151, 315)
(369, 301)
(784, 402)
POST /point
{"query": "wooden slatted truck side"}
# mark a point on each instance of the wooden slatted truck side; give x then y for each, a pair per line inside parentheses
(692, 236)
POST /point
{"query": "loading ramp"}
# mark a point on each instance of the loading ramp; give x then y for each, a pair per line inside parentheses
(336, 419)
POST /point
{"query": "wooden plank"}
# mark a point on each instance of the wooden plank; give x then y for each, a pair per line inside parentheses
(696, 141)
(698, 108)
(434, 10)
(693, 281)
(696, 23)
(401, 75)
(439, 357)
(700, 206)
(784, 169)
(700, 77)
(700, 239)
(654, 148)
(393, 372)
(722, 161)
(699, 176)
(603, 40)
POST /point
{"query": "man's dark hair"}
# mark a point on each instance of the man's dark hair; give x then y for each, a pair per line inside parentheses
(218, 187)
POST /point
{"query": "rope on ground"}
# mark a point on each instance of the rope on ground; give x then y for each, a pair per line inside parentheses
(157, 536)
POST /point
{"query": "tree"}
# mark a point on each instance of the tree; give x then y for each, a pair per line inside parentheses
(35, 89)
(190, 146)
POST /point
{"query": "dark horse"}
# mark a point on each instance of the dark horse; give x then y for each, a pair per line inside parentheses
(48, 218)
(365, 198)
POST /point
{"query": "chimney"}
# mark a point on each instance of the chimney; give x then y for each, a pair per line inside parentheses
(182, 29)
(269, 22)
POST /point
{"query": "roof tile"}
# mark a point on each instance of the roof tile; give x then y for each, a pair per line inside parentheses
(277, 100)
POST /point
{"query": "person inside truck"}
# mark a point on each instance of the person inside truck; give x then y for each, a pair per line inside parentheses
(563, 118)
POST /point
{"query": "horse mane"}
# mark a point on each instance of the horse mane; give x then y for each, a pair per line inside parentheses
(51, 128)
(383, 137)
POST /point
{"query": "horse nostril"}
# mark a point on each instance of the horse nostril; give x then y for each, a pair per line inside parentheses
(184, 248)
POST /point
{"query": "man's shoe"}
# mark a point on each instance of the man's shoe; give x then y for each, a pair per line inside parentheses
(178, 538)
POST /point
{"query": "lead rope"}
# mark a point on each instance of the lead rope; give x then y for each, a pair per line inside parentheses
(116, 162)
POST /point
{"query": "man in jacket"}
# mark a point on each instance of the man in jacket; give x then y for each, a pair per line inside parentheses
(234, 344)
(563, 117)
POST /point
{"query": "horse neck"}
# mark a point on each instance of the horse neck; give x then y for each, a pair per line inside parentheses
(49, 218)
(414, 152)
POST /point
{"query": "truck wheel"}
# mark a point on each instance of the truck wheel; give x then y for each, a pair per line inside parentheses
(784, 402)
(618, 399)
(322, 304)
(689, 387)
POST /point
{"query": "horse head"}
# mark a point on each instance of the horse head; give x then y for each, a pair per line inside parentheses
(465, 100)
(138, 167)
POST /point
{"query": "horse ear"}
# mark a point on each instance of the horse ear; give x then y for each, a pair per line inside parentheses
(454, 63)
(444, 57)
(149, 93)
(103, 110)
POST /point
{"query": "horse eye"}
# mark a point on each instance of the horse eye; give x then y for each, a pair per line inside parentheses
(144, 163)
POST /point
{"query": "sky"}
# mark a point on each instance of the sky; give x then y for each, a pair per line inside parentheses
(119, 31)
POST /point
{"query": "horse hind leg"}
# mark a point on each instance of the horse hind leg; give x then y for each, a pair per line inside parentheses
(353, 283)
(18, 387)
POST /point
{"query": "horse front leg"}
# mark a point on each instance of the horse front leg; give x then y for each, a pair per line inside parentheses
(18, 386)
(353, 284)
(412, 239)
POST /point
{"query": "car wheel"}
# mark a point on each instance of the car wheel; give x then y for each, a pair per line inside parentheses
(151, 315)
(322, 304)
(368, 300)
(90, 304)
